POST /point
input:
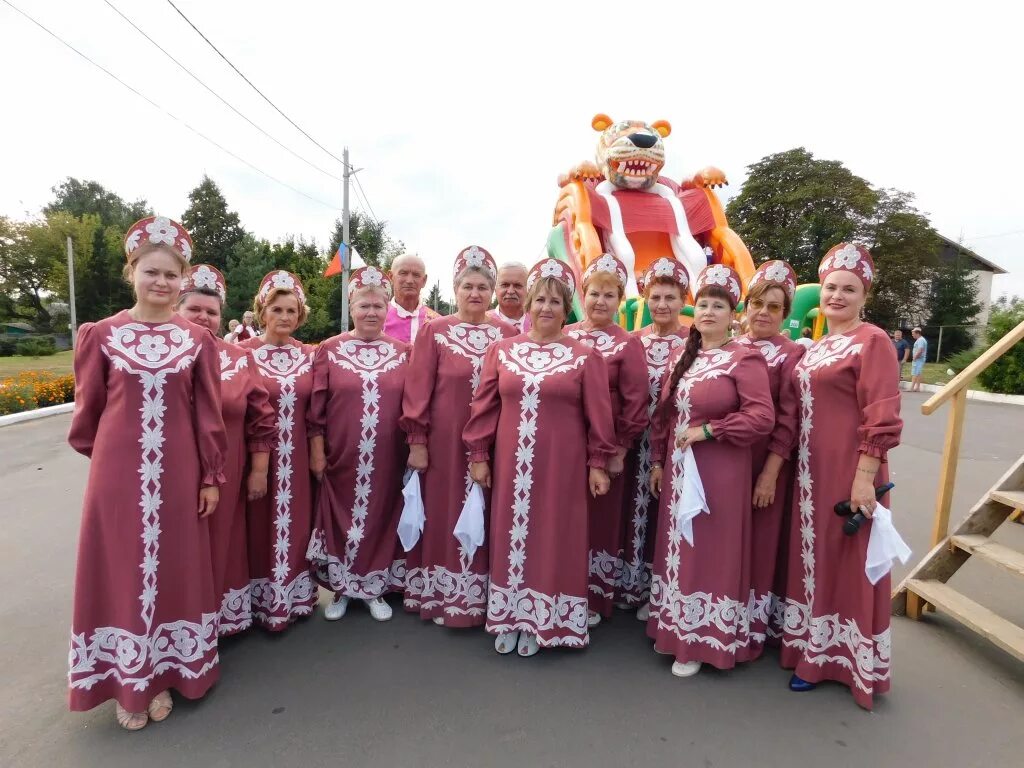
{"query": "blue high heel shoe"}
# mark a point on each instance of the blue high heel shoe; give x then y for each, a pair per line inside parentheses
(800, 685)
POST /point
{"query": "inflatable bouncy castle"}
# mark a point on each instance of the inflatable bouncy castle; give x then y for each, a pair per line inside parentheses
(621, 204)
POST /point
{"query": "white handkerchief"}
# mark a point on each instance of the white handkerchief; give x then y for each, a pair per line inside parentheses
(692, 500)
(884, 546)
(469, 530)
(410, 524)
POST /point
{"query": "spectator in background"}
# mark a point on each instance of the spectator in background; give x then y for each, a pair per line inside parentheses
(232, 335)
(249, 328)
(805, 339)
(902, 347)
(919, 356)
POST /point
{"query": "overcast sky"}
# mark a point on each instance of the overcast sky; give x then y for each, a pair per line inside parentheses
(462, 115)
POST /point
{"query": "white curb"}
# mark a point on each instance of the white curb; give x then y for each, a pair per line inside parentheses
(38, 413)
(972, 394)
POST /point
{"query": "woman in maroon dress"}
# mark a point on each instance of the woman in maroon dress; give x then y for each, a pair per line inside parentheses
(716, 402)
(280, 523)
(358, 454)
(544, 408)
(768, 302)
(604, 285)
(836, 623)
(145, 614)
(250, 429)
(664, 287)
(443, 582)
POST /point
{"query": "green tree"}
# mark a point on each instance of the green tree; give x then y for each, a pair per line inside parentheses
(905, 249)
(795, 207)
(24, 273)
(953, 298)
(1005, 375)
(99, 287)
(248, 262)
(215, 230)
(437, 303)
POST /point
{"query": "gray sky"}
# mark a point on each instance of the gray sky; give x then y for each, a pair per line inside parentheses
(463, 114)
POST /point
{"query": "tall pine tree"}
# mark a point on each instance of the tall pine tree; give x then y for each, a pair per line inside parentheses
(215, 230)
(953, 298)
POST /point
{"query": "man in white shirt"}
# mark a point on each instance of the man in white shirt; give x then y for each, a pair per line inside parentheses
(406, 313)
(510, 289)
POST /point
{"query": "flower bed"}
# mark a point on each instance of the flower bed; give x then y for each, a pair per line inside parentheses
(28, 390)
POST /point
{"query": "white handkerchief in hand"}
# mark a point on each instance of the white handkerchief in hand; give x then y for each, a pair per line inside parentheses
(469, 530)
(410, 524)
(692, 500)
(884, 546)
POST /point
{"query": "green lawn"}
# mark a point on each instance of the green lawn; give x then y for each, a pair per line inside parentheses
(935, 373)
(58, 363)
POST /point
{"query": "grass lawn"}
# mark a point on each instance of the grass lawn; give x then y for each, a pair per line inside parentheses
(59, 363)
(934, 373)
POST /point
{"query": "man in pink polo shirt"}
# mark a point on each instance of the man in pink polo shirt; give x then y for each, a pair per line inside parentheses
(406, 314)
(510, 290)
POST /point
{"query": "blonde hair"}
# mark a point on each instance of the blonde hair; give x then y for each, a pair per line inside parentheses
(128, 272)
(602, 280)
(259, 304)
(553, 287)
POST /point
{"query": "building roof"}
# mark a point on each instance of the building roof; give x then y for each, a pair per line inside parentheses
(19, 326)
(984, 265)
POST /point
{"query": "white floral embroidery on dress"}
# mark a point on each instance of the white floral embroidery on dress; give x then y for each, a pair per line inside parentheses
(686, 615)
(152, 353)
(229, 367)
(369, 361)
(772, 352)
(510, 606)
(824, 638)
(635, 581)
(602, 341)
(273, 600)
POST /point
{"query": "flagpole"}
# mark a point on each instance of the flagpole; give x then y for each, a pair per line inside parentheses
(346, 249)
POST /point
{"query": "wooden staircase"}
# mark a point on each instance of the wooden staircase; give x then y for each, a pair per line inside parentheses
(926, 588)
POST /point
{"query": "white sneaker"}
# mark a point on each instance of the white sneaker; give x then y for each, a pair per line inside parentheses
(528, 644)
(439, 620)
(506, 642)
(644, 613)
(686, 669)
(337, 608)
(593, 618)
(379, 610)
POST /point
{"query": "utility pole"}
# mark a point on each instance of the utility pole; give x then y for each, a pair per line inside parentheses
(71, 294)
(346, 254)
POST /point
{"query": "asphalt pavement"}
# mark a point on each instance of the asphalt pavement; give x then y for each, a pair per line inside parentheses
(407, 693)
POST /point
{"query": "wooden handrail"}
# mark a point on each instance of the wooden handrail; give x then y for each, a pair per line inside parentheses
(970, 373)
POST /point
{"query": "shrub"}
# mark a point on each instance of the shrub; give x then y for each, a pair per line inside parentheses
(38, 346)
(961, 360)
(1005, 375)
(7, 347)
(35, 389)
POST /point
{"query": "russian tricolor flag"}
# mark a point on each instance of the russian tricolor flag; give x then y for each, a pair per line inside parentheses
(342, 258)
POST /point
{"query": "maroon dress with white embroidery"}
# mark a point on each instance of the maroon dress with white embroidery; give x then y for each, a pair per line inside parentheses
(356, 405)
(441, 579)
(546, 412)
(145, 612)
(639, 504)
(835, 623)
(700, 593)
(281, 522)
(781, 355)
(624, 356)
(250, 424)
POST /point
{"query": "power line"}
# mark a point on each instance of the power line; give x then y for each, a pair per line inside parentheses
(247, 80)
(224, 101)
(367, 201)
(142, 96)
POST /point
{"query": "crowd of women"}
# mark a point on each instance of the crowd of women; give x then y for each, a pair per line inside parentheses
(683, 473)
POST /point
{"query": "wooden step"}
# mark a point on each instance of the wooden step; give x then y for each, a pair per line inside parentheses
(996, 629)
(997, 554)
(1012, 499)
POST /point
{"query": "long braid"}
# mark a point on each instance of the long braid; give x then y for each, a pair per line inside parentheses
(690, 352)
